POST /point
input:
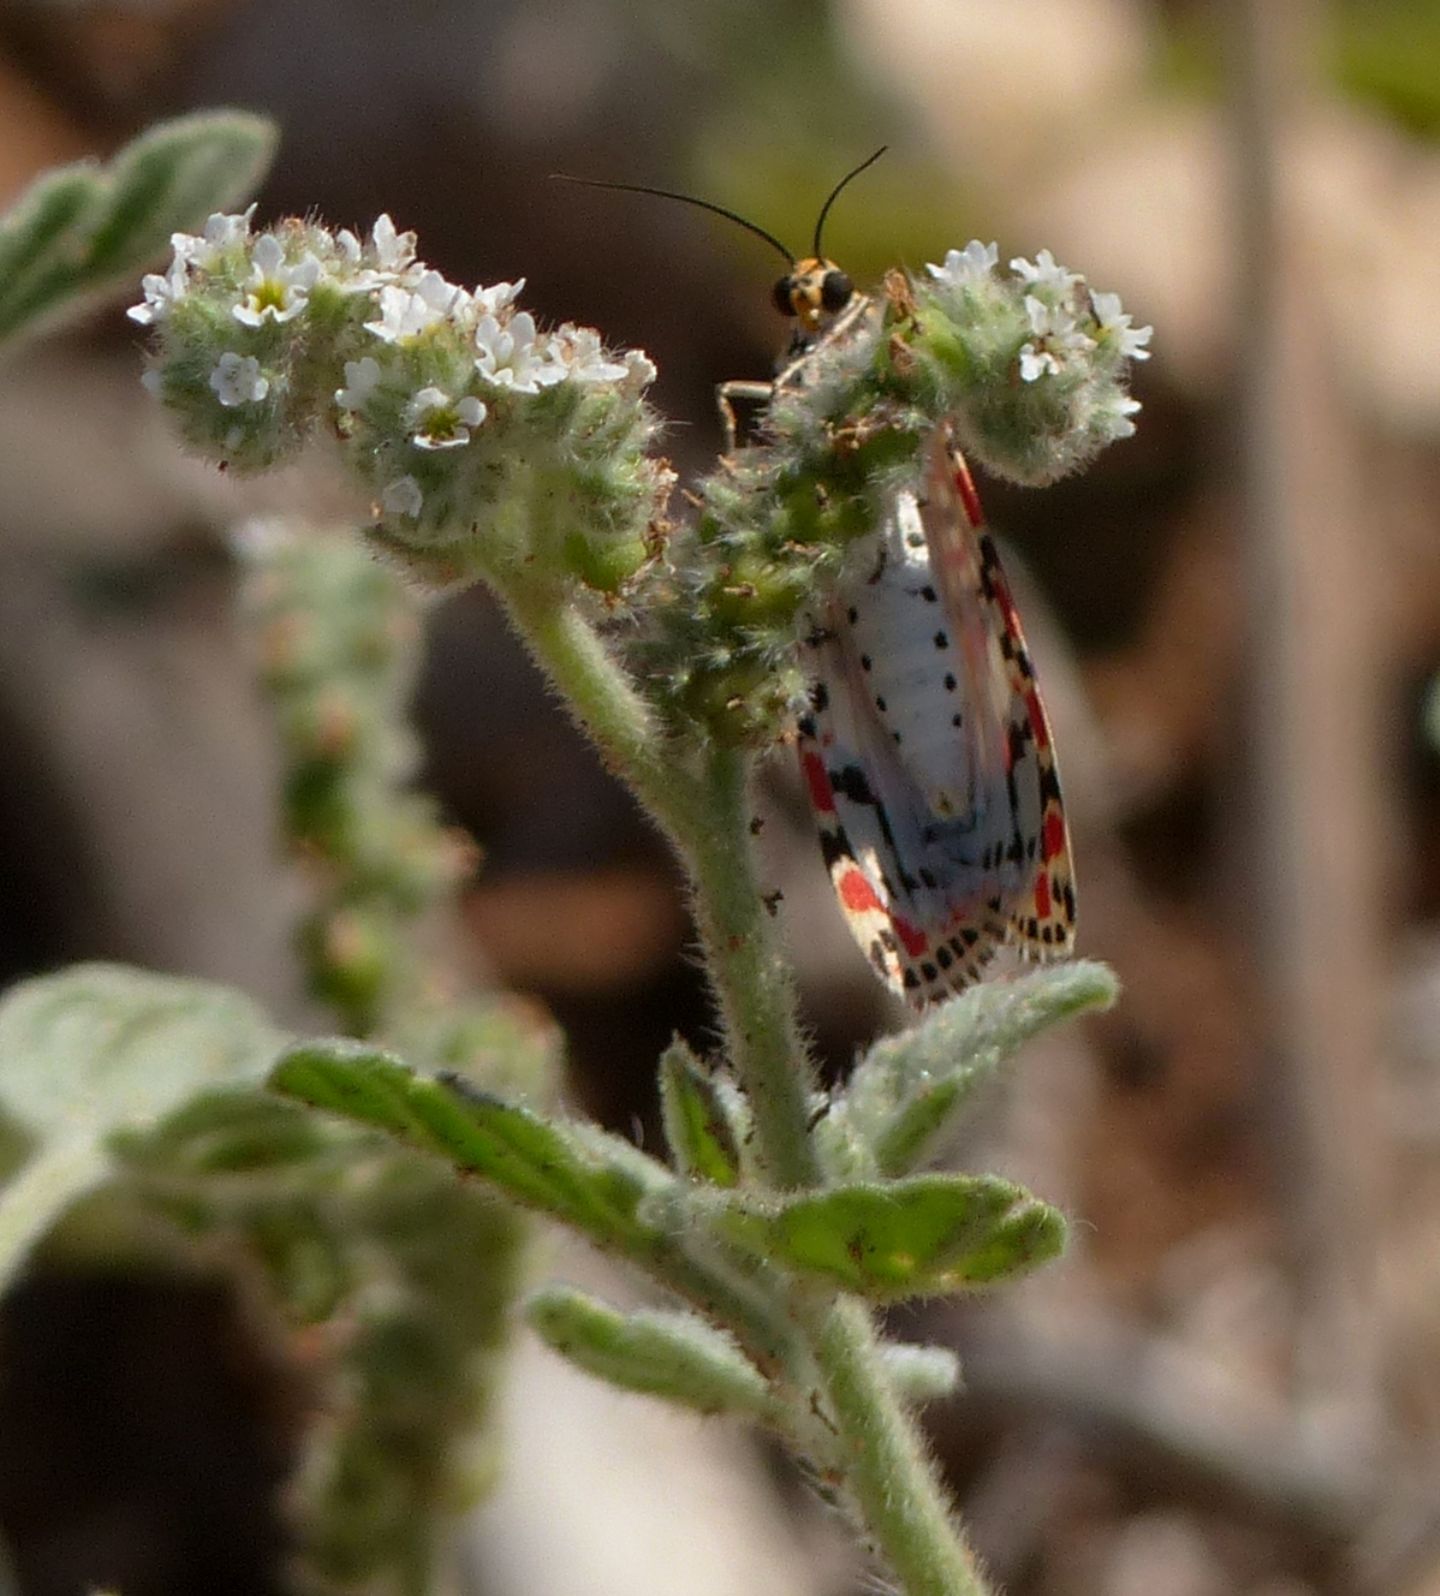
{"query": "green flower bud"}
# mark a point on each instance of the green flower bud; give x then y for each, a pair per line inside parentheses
(350, 956)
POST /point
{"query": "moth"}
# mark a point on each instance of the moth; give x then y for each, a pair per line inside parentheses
(927, 753)
(925, 747)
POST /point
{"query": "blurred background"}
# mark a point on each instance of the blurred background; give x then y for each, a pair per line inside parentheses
(1233, 1382)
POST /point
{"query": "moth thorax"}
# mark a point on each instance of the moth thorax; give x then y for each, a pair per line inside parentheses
(814, 291)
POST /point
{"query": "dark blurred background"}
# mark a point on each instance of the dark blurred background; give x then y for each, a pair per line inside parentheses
(1233, 1383)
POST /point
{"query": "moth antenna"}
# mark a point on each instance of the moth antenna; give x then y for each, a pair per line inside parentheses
(685, 199)
(835, 194)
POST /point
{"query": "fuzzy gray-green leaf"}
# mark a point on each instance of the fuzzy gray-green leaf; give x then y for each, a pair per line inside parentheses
(672, 1355)
(921, 1237)
(535, 1161)
(912, 1088)
(98, 1052)
(703, 1137)
(920, 1373)
(82, 230)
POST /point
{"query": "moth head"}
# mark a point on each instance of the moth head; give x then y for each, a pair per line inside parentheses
(814, 291)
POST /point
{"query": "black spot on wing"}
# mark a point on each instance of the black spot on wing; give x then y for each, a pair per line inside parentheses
(851, 782)
(834, 844)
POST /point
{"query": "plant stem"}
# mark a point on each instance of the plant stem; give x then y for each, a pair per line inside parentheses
(751, 981)
(603, 699)
(707, 818)
(902, 1503)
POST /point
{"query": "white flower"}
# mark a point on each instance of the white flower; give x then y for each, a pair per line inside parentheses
(237, 380)
(1115, 323)
(963, 267)
(220, 232)
(1036, 362)
(1122, 409)
(402, 497)
(393, 251)
(1056, 336)
(582, 354)
(512, 357)
(407, 312)
(492, 301)
(392, 255)
(362, 377)
(162, 294)
(275, 291)
(437, 421)
(1044, 273)
(639, 370)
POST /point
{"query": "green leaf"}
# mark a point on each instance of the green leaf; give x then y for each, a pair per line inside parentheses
(920, 1374)
(598, 1184)
(912, 1088)
(920, 1237)
(50, 1183)
(79, 232)
(672, 1355)
(99, 1051)
(593, 1182)
(704, 1118)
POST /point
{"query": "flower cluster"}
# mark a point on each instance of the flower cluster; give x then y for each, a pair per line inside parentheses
(1069, 347)
(1028, 368)
(454, 409)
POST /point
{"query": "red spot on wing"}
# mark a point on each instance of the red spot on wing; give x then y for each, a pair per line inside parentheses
(915, 940)
(969, 499)
(822, 794)
(1042, 896)
(1054, 834)
(1004, 598)
(856, 893)
(1037, 719)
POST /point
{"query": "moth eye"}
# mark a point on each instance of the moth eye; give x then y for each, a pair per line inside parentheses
(835, 291)
(781, 294)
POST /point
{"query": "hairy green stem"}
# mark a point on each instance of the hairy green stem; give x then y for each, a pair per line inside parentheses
(887, 1472)
(603, 699)
(707, 817)
(751, 980)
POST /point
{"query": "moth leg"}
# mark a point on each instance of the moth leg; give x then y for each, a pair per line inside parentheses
(725, 395)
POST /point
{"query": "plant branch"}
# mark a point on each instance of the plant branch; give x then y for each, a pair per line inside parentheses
(707, 818)
(752, 984)
(896, 1487)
